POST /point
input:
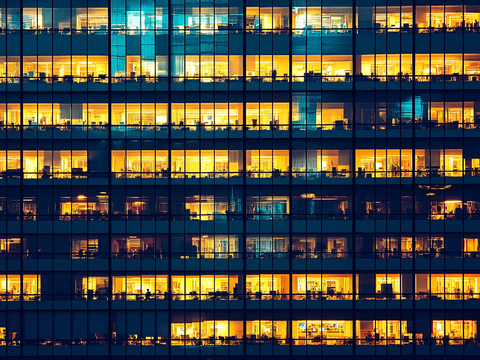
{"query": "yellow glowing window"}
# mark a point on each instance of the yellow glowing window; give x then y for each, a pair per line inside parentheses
(267, 287)
(13, 66)
(470, 245)
(268, 116)
(275, 67)
(386, 65)
(139, 161)
(138, 287)
(382, 332)
(384, 163)
(208, 330)
(93, 285)
(336, 65)
(454, 286)
(9, 244)
(13, 160)
(13, 115)
(97, 114)
(307, 18)
(387, 285)
(11, 285)
(454, 330)
(266, 329)
(205, 287)
(267, 161)
(94, 19)
(317, 330)
(139, 114)
(454, 16)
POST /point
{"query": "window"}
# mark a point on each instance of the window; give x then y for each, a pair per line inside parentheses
(267, 287)
(471, 247)
(91, 288)
(453, 332)
(383, 332)
(384, 163)
(144, 287)
(268, 68)
(205, 287)
(11, 285)
(322, 287)
(267, 116)
(267, 163)
(388, 286)
(208, 332)
(447, 287)
(213, 246)
(140, 163)
(10, 245)
(259, 331)
(326, 332)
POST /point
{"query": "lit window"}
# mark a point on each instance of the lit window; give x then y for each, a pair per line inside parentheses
(11, 285)
(258, 330)
(317, 332)
(453, 332)
(388, 286)
(384, 163)
(267, 287)
(208, 332)
(205, 287)
(145, 287)
(383, 332)
(318, 287)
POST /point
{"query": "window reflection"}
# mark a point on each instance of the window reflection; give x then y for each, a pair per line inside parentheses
(447, 287)
(266, 19)
(471, 247)
(140, 163)
(267, 287)
(83, 208)
(267, 116)
(206, 68)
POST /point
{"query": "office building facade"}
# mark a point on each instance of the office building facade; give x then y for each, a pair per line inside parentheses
(230, 178)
